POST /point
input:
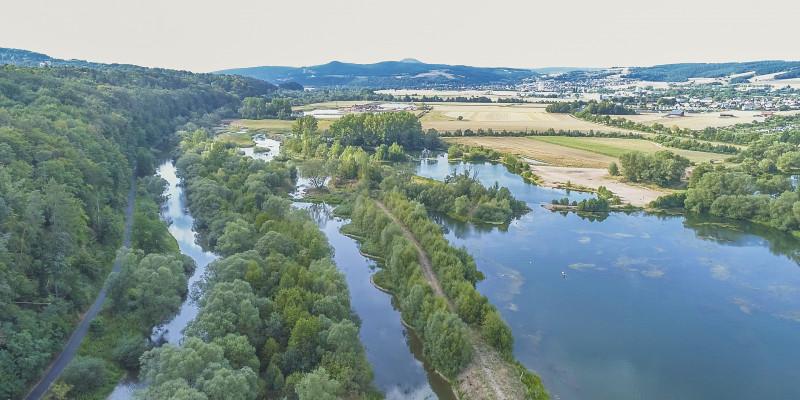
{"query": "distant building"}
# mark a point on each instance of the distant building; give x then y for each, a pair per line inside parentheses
(726, 115)
(676, 113)
(766, 113)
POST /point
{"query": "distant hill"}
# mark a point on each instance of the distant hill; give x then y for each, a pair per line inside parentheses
(408, 73)
(682, 72)
(24, 58)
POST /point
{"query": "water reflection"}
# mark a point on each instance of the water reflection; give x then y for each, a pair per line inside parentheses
(394, 352)
(652, 306)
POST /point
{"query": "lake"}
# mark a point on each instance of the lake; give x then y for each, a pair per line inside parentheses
(655, 307)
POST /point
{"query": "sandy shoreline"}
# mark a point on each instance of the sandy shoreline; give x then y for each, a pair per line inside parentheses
(593, 178)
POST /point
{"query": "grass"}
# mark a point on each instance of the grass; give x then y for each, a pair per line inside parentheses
(274, 125)
(237, 139)
(615, 147)
(591, 146)
(576, 151)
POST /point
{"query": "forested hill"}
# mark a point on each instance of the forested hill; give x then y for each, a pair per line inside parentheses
(68, 140)
(150, 77)
(404, 74)
(682, 72)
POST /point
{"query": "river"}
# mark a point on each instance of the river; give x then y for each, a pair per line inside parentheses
(176, 212)
(651, 307)
(395, 353)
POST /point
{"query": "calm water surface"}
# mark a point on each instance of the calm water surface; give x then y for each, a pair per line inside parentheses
(651, 307)
(394, 352)
(176, 212)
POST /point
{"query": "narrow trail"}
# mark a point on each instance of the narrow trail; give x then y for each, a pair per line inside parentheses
(57, 367)
(424, 261)
(481, 364)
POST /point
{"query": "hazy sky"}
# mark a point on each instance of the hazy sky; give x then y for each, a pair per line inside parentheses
(204, 35)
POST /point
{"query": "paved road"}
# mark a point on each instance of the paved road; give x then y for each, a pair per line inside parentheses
(77, 336)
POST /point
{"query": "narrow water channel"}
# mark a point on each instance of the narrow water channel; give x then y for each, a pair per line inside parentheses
(394, 352)
(176, 212)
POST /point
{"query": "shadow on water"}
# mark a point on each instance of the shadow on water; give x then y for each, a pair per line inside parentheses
(394, 351)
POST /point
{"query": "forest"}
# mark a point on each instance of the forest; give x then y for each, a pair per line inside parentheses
(70, 139)
(275, 318)
(757, 186)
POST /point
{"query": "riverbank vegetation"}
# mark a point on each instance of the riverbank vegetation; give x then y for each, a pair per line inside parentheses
(274, 314)
(455, 322)
(147, 292)
(69, 138)
(757, 187)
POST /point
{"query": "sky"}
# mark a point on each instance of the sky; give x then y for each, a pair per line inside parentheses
(205, 35)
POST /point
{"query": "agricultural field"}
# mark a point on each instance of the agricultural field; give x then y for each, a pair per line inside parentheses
(511, 117)
(329, 105)
(615, 147)
(577, 152)
(703, 120)
(273, 125)
(552, 154)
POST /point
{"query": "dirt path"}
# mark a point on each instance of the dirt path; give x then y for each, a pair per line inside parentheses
(424, 261)
(57, 367)
(594, 177)
(479, 379)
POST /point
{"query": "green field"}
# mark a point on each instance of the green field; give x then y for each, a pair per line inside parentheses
(274, 125)
(615, 147)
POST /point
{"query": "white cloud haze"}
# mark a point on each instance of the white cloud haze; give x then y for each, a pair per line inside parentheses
(205, 35)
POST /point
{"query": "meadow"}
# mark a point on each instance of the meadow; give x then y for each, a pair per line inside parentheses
(576, 151)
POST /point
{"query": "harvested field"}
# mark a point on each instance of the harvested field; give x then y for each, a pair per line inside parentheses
(511, 117)
(594, 177)
(552, 154)
(702, 120)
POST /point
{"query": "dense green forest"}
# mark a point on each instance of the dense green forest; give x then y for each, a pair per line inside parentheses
(146, 292)
(756, 186)
(69, 139)
(275, 318)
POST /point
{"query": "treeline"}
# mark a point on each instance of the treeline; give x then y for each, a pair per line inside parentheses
(69, 138)
(259, 108)
(447, 344)
(461, 196)
(274, 316)
(692, 144)
(757, 188)
(446, 340)
(664, 168)
(548, 132)
(591, 107)
(457, 99)
(373, 130)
